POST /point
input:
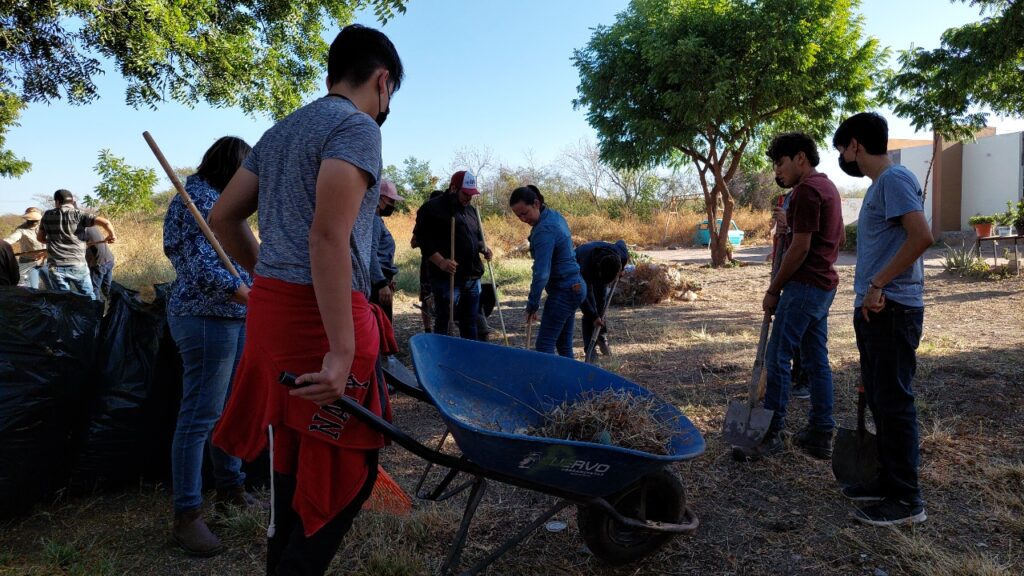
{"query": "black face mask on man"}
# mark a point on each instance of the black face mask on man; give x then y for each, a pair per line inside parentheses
(382, 116)
(781, 183)
(850, 167)
(387, 211)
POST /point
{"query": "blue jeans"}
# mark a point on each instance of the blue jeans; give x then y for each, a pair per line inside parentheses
(210, 348)
(558, 320)
(801, 324)
(888, 361)
(102, 275)
(71, 279)
(30, 274)
(467, 306)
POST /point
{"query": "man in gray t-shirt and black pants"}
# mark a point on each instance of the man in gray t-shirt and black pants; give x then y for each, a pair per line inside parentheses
(892, 234)
(314, 177)
(62, 229)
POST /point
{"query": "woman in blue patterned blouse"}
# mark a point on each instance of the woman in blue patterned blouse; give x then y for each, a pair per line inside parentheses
(206, 315)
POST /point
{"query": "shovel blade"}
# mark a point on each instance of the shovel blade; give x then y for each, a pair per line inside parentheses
(855, 457)
(745, 427)
(397, 374)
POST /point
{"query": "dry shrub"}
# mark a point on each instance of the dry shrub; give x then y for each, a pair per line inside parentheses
(596, 227)
(506, 235)
(664, 228)
(139, 251)
(651, 283)
(614, 417)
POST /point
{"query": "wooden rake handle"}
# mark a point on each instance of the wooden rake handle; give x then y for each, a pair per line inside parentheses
(190, 205)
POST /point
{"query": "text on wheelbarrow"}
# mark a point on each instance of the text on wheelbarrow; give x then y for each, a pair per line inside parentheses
(572, 466)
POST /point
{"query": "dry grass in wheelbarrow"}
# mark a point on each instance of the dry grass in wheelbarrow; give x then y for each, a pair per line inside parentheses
(614, 417)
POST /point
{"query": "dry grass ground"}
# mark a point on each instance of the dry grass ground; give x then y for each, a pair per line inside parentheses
(782, 516)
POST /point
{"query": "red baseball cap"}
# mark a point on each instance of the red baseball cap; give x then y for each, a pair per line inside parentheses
(465, 181)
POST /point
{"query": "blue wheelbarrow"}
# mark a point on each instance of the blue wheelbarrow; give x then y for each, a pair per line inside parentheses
(628, 502)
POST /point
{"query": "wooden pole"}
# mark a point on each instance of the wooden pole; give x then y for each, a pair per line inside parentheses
(191, 206)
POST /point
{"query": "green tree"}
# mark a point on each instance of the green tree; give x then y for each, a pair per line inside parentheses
(977, 65)
(414, 182)
(701, 81)
(10, 109)
(123, 188)
(260, 55)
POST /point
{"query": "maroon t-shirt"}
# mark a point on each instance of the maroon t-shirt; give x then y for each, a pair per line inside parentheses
(816, 208)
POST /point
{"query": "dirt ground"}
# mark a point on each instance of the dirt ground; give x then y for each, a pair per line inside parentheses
(781, 516)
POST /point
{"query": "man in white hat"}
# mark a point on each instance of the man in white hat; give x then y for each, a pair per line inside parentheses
(31, 252)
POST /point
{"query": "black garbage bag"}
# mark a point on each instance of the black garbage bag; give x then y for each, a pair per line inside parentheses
(47, 346)
(161, 408)
(113, 439)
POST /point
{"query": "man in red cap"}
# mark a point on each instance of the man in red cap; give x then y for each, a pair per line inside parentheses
(434, 222)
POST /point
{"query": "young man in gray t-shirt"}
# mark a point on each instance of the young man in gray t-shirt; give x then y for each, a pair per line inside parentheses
(892, 234)
(314, 178)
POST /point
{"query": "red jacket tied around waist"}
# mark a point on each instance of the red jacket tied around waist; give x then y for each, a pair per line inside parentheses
(284, 332)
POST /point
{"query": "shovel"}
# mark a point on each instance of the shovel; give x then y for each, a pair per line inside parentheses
(451, 289)
(588, 352)
(490, 271)
(855, 453)
(745, 422)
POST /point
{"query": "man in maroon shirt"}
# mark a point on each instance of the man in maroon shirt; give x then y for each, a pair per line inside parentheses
(800, 296)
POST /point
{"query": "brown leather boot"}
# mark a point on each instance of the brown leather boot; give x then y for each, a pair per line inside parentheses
(237, 496)
(192, 534)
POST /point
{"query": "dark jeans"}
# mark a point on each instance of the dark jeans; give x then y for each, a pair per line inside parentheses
(467, 303)
(588, 319)
(558, 320)
(888, 361)
(801, 323)
(289, 552)
(102, 276)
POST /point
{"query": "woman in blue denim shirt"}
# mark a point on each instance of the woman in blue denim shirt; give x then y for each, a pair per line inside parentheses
(554, 269)
(206, 316)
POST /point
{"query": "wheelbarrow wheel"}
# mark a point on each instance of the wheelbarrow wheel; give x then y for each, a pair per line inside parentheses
(659, 496)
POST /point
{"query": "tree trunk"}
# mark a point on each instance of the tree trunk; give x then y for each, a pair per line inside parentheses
(721, 249)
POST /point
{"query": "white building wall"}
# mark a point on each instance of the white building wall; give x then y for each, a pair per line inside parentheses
(916, 160)
(993, 175)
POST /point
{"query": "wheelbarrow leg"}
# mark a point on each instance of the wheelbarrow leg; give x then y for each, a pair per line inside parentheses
(519, 537)
(429, 467)
(475, 496)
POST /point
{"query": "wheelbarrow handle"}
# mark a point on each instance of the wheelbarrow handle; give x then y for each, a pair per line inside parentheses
(386, 428)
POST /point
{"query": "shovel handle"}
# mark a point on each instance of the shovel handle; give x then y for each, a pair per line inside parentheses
(861, 403)
(755, 376)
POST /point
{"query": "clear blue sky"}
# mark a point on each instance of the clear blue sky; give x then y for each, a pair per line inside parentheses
(491, 75)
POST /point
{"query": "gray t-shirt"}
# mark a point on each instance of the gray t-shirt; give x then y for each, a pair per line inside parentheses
(880, 235)
(64, 227)
(287, 161)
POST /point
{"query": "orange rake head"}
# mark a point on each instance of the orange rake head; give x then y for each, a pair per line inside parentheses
(387, 496)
